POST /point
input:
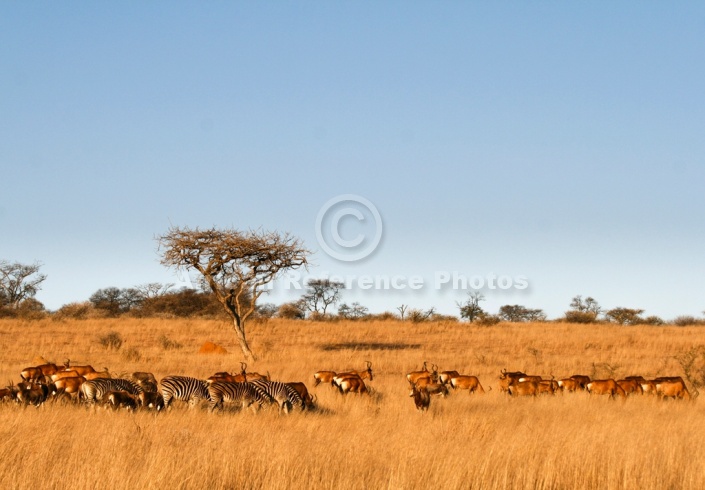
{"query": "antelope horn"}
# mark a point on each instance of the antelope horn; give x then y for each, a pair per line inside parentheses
(243, 366)
(504, 371)
(67, 362)
(424, 366)
(369, 364)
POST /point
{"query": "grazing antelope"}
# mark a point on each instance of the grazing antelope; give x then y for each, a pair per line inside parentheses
(445, 376)
(151, 399)
(301, 389)
(647, 386)
(121, 399)
(32, 394)
(140, 377)
(421, 397)
(470, 383)
(414, 376)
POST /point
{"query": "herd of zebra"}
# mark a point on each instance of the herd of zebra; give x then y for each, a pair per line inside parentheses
(140, 390)
(83, 384)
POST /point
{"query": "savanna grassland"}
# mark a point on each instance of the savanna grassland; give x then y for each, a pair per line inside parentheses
(465, 441)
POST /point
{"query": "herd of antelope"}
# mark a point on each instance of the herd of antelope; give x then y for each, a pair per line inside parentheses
(140, 390)
(426, 383)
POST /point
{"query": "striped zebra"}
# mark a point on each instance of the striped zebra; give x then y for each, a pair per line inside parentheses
(92, 391)
(183, 388)
(244, 394)
(284, 395)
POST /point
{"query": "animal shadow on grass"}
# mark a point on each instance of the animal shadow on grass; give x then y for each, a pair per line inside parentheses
(369, 346)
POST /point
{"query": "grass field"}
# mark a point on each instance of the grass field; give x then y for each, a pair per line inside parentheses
(479, 441)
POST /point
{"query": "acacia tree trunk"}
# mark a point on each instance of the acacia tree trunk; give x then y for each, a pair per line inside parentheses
(240, 333)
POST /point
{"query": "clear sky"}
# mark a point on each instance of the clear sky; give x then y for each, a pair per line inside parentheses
(559, 141)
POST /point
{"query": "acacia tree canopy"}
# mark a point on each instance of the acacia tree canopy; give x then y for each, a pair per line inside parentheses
(235, 264)
(19, 282)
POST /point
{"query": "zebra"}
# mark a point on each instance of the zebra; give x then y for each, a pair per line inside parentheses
(243, 393)
(93, 390)
(183, 388)
(284, 395)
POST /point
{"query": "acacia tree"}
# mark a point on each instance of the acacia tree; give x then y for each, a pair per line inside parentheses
(235, 264)
(321, 294)
(471, 309)
(19, 282)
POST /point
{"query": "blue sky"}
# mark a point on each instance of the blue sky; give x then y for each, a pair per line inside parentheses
(561, 142)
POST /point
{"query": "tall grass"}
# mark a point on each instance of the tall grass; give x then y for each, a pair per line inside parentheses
(464, 441)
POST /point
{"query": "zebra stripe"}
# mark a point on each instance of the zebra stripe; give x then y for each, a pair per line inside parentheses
(284, 395)
(242, 393)
(183, 388)
(93, 391)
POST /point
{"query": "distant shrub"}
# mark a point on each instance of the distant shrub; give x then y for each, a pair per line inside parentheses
(687, 320)
(291, 311)
(381, 317)
(652, 320)
(168, 344)
(77, 311)
(131, 354)
(488, 320)
(111, 340)
(184, 303)
(574, 316)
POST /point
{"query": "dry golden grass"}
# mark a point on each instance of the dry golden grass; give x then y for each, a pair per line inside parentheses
(490, 441)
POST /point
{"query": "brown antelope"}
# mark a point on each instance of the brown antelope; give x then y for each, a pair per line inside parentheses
(506, 378)
(523, 388)
(48, 368)
(351, 384)
(306, 397)
(151, 399)
(433, 388)
(421, 397)
(69, 385)
(630, 386)
(98, 375)
(605, 387)
(64, 374)
(364, 374)
(143, 377)
(323, 377)
(647, 386)
(445, 376)
(81, 370)
(119, 399)
(672, 387)
(568, 384)
(32, 374)
(548, 386)
(582, 380)
(414, 376)
(470, 383)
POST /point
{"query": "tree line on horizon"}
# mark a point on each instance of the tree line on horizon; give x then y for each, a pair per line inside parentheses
(235, 267)
(19, 284)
